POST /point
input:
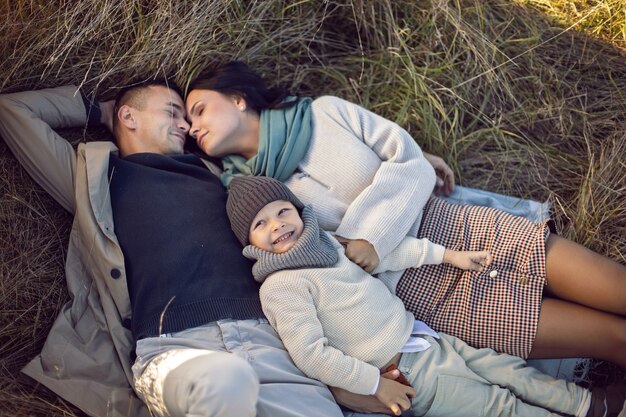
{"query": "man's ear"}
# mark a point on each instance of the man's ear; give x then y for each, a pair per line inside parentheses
(126, 117)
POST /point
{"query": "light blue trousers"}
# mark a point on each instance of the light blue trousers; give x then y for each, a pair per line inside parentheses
(227, 368)
(453, 379)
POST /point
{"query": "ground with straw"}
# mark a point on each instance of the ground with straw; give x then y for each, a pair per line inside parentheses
(526, 98)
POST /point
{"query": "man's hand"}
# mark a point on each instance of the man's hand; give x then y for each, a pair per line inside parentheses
(472, 260)
(445, 176)
(394, 395)
(106, 113)
(361, 252)
(367, 404)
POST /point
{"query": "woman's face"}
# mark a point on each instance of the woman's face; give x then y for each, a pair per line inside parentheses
(218, 122)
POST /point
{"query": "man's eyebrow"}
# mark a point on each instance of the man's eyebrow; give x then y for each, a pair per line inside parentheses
(175, 105)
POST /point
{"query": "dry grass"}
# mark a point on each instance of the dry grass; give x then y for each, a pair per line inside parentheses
(525, 98)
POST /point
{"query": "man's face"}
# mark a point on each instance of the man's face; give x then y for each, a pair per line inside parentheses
(161, 124)
(276, 227)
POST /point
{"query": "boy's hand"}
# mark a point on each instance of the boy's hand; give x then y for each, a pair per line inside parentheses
(363, 403)
(394, 395)
(361, 252)
(468, 260)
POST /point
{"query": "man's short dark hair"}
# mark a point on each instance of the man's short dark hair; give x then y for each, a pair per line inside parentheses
(134, 95)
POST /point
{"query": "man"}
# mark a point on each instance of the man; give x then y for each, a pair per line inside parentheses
(152, 266)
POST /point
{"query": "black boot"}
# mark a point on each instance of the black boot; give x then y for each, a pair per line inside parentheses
(608, 401)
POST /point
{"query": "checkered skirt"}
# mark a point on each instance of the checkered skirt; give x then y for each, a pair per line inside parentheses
(501, 312)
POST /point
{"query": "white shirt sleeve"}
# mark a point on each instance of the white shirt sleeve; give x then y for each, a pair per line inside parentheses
(411, 253)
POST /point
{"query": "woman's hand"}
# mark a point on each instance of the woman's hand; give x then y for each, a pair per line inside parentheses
(445, 176)
(394, 395)
(361, 252)
(364, 403)
(472, 260)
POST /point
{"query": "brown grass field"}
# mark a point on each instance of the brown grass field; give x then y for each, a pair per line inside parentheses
(526, 98)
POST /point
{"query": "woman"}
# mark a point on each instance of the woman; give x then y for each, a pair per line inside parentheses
(547, 297)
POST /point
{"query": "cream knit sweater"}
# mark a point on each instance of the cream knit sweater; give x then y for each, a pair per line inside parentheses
(364, 176)
(340, 324)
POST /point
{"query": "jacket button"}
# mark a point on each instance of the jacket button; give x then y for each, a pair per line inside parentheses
(115, 273)
(126, 323)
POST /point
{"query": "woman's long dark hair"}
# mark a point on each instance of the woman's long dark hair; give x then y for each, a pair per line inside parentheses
(236, 79)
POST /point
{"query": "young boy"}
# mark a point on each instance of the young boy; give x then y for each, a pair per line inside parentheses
(341, 325)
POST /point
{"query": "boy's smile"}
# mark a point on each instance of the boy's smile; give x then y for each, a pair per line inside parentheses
(282, 238)
(276, 227)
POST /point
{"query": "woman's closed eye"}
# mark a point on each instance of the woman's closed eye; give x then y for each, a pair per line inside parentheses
(196, 109)
(282, 211)
(258, 224)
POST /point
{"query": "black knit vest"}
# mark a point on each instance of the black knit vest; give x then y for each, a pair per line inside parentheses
(184, 266)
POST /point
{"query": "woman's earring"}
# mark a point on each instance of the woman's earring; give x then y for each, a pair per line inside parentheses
(242, 107)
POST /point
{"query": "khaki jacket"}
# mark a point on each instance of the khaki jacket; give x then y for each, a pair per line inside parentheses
(86, 357)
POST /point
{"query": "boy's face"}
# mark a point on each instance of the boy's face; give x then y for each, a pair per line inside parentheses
(276, 227)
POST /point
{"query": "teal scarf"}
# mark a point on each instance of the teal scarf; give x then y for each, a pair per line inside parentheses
(284, 136)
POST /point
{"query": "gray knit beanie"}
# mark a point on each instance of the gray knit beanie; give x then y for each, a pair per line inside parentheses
(248, 195)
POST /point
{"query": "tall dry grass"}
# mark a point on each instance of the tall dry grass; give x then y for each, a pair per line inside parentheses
(526, 98)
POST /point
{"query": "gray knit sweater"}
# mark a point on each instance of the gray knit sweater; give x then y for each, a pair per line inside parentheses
(339, 323)
(364, 176)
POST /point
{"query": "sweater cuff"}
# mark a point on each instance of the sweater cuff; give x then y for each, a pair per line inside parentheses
(368, 379)
(93, 111)
(375, 386)
(434, 254)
